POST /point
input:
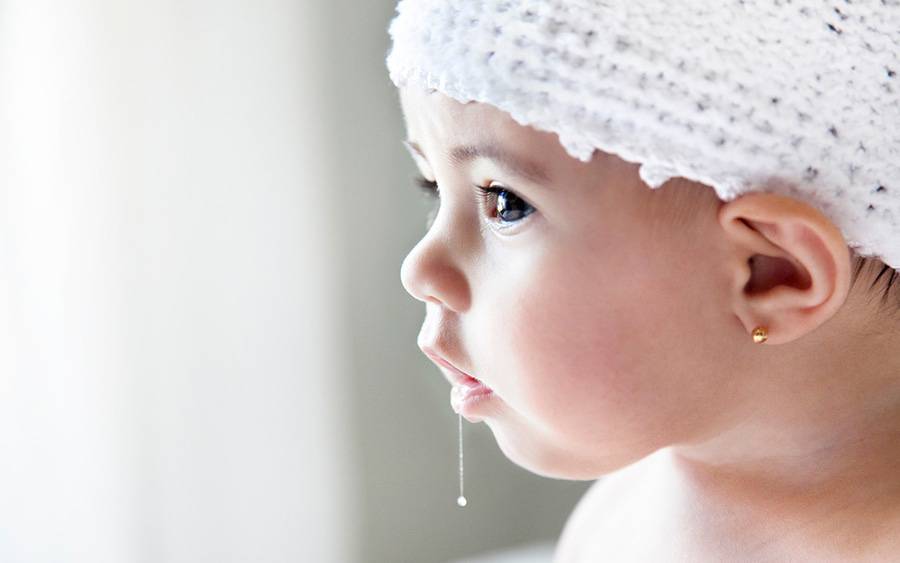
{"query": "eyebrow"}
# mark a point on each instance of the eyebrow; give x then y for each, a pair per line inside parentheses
(462, 154)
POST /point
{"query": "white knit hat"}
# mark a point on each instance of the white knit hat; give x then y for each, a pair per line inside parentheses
(798, 97)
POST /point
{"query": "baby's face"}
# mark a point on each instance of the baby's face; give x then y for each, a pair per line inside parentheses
(599, 320)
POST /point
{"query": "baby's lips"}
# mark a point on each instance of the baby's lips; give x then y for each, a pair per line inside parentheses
(460, 388)
(459, 393)
(456, 396)
(469, 381)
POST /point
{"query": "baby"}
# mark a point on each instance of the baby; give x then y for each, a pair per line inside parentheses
(715, 340)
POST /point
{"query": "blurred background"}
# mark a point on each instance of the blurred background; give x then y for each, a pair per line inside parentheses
(206, 353)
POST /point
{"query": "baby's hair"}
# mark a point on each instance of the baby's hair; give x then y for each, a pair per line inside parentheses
(881, 283)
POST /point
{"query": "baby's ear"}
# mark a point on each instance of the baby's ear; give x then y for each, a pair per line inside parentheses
(791, 265)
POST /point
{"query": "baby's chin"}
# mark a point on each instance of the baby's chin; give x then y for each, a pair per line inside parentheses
(533, 451)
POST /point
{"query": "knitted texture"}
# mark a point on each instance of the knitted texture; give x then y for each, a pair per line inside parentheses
(799, 97)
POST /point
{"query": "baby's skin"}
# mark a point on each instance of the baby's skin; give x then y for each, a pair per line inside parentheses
(613, 323)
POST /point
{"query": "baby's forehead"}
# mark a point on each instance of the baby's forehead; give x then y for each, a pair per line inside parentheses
(433, 118)
(418, 101)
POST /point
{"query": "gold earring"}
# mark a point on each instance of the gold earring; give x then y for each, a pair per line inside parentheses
(760, 334)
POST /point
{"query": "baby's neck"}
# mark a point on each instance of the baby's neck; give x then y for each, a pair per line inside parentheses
(832, 486)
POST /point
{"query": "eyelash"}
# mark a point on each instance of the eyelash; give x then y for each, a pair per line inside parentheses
(487, 195)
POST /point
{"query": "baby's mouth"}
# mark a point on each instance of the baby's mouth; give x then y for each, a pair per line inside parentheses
(455, 375)
(469, 381)
(467, 397)
(468, 385)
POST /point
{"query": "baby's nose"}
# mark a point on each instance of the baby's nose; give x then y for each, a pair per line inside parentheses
(429, 274)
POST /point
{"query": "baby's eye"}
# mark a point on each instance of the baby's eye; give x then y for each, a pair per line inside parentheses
(431, 188)
(510, 207)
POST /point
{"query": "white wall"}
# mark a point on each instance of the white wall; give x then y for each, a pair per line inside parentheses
(171, 367)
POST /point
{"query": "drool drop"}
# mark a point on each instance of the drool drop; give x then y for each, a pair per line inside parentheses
(461, 500)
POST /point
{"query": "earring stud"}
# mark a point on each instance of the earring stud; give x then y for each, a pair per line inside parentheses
(760, 334)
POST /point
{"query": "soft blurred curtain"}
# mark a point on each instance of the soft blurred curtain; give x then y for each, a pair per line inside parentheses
(170, 354)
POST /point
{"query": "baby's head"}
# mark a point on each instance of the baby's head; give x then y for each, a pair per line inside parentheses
(611, 319)
(610, 308)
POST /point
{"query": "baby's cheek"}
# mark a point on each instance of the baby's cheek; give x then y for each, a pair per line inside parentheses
(569, 358)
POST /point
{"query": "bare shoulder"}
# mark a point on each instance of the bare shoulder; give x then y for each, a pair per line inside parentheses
(604, 501)
(580, 521)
